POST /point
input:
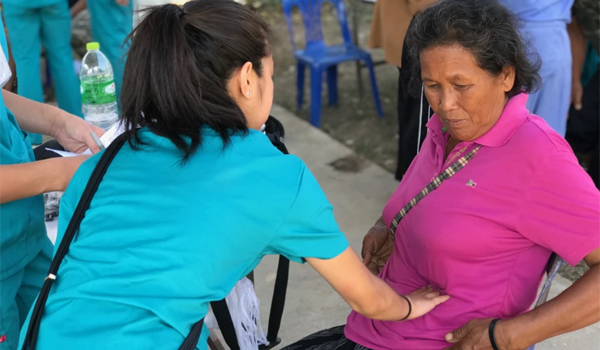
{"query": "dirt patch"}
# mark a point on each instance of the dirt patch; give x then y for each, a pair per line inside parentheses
(351, 164)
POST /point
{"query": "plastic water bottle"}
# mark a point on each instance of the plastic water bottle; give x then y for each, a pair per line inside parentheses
(98, 88)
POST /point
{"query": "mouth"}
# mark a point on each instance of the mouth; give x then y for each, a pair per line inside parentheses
(454, 123)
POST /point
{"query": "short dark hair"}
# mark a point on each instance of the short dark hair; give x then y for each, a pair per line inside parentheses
(483, 27)
(178, 66)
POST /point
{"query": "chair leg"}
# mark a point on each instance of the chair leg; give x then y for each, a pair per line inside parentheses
(359, 79)
(300, 68)
(332, 85)
(214, 343)
(316, 85)
(374, 89)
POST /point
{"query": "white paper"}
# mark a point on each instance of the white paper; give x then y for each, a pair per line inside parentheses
(111, 134)
(68, 154)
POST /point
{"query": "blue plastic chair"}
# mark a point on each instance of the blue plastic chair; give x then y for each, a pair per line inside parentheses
(322, 58)
(551, 270)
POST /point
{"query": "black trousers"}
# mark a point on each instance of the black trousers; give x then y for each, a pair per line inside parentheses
(329, 339)
(410, 112)
(583, 126)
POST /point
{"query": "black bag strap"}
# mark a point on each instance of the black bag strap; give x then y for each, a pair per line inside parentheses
(283, 267)
(33, 328)
(223, 317)
(191, 341)
(84, 202)
(278, 302)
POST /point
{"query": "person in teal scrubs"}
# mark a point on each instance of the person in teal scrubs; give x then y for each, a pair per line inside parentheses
(32, 24)
(112, 21)
(25, 250)
(198, 197)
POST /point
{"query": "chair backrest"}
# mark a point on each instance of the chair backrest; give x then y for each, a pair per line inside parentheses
(311, 17)
(552, 268)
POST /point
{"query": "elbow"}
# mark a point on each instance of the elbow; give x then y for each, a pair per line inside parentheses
(370, 309)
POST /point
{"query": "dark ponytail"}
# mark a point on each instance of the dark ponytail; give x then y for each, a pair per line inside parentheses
(178, 66)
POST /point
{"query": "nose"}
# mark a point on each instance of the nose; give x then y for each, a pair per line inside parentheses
(447, 100)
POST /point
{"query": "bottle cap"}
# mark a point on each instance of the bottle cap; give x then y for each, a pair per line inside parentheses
(93, 46)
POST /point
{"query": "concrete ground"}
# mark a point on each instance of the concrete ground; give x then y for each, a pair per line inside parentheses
(358, 199)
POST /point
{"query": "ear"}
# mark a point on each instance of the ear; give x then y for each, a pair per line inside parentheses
(244, 80)
(507, 78)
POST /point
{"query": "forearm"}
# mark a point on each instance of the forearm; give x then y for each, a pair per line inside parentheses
(26, 180)
(578, 48)
(33, 117)
(575, 308)
(364, 292)
(78, 7)
(383, 304)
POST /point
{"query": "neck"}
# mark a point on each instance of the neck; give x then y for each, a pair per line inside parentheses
(452, 142)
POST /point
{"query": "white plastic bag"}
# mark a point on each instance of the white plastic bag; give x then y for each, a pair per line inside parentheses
(5, 72)
(244, 308)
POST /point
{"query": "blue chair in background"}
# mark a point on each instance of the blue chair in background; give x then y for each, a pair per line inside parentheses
(551, 271)
(322, 58)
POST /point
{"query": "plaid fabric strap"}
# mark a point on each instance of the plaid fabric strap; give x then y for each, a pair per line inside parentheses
(433, 185)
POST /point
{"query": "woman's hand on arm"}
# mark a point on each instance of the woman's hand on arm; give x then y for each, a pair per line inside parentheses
(72, 132)
(575, 308)
(369, 295)
(378, 246)
(18, 181)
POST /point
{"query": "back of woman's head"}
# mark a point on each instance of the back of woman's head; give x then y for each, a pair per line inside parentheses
(485, 28)
(178, 67)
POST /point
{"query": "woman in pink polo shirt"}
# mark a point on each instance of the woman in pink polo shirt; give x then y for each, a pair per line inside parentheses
(493, 192)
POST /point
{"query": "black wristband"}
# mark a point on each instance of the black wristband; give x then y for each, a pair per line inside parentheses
(491, 332)
(409, 308)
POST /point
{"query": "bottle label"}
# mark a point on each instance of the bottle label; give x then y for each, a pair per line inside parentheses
(98, 93)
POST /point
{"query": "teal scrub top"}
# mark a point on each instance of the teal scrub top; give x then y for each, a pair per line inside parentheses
(162, 239)
(30, 3)
(22, 228)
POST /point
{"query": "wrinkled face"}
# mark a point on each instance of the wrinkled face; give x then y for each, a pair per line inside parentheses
(467, 99)
(254, 94)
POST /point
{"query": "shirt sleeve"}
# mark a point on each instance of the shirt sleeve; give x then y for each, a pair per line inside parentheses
(561, 210)
(309, 230)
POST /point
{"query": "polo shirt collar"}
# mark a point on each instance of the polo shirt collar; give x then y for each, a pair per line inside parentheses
(512, 117)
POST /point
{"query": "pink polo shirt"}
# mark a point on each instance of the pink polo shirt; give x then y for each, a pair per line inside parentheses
(485, 235)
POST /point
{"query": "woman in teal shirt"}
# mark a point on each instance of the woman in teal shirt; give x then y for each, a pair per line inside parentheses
(197, 197)
(25, 250)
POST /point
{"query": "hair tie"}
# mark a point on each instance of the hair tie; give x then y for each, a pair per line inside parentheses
(183, 11)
